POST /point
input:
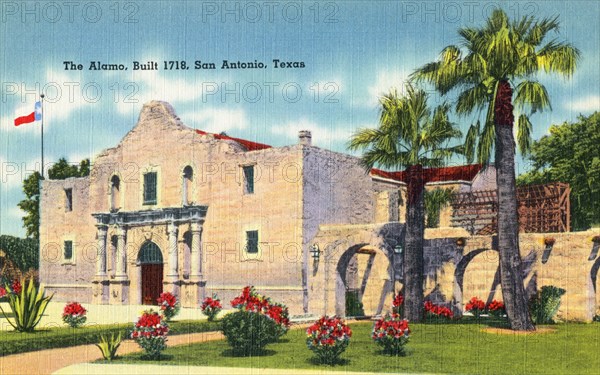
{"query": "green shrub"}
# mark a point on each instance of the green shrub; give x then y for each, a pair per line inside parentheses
(544, 305)
(28, 306)
(248, 332)
(108, 345)
(353, 305)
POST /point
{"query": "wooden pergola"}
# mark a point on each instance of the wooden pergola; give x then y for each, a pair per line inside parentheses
(542, 209)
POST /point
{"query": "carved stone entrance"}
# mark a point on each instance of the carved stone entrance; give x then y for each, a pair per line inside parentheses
(151, 262)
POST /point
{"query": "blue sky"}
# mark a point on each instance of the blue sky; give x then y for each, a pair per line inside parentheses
(352, 52)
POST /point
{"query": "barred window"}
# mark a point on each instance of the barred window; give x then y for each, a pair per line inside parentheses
(68, 250)
(150, 188)
(252, 241)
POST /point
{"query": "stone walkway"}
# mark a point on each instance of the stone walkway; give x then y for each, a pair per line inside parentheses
(51, 360)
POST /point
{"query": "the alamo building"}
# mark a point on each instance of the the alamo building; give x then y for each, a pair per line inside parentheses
(172, 208)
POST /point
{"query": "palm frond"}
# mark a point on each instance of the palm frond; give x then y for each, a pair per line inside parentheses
(524, 130)
(471, 141)
(532, 94)
(559, 58)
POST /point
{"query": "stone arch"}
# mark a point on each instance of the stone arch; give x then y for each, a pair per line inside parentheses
(461, 296)
(367, 271)
(151, 262)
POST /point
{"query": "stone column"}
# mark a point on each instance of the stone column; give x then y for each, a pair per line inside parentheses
(196, 290)
(121, 273)
(101, 261)
(196, 253)
(119, 287)
(100, 290)
(173, 266)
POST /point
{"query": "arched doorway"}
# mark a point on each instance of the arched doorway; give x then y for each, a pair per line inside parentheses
(364, 278)
(151, 262)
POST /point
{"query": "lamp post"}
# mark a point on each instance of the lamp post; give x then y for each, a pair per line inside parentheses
(315, 252)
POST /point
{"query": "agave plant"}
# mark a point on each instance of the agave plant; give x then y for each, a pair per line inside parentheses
(108, 345)
(28, 305)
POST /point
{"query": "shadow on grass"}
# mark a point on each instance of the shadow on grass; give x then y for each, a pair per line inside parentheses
(258, 353)
(337, 362)
(162, 357)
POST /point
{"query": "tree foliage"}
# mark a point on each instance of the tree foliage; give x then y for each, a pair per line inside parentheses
(31, 187)
(23, 252)
(570, 153)
(435, 200)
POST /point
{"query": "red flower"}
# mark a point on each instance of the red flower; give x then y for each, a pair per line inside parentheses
(437, 310)
(475, 305)
(16, 287)
(167, 300)
(2, 291)
(398, 300)
(74, 308)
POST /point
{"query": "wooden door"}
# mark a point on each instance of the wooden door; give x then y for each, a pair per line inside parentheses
(152, 283)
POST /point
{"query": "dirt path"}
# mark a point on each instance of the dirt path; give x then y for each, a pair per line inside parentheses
(51, 360)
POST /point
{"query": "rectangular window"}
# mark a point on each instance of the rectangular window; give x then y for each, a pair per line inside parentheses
(150, 188)
(68, 200)
(252, 241)
(68, 250)
(249, 179)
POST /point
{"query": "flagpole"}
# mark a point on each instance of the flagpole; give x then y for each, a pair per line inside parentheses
(42, 110)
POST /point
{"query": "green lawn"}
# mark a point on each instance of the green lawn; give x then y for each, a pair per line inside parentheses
(12, 342)
(437, 348)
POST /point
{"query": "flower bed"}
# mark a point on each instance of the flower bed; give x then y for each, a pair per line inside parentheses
(436, 312)
(392, 333)
(476, 307)
(150, 333)
(74, 314)
(328, 337)
(496, 309)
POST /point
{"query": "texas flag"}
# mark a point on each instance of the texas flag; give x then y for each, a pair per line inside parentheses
(36, 115)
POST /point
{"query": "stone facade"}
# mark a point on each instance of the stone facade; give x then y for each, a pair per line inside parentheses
(296, 188)
(174, 209)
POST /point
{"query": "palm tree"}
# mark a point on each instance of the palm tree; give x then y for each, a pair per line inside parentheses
(494, 60)
(409, 135)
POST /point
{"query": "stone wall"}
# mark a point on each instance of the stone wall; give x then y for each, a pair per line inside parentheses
(67, 279)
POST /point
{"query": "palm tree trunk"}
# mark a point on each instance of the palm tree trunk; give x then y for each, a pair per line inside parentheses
(413, 254)
(511, 274)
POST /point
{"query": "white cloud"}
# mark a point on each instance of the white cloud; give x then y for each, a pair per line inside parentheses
(587, 104)
(320, 134)
(216, 120)
(385, 81)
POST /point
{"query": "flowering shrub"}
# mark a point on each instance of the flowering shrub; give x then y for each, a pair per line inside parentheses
(397, 304)
(437, 312)
(258, 322)
(3, 292)
(150, 333)
(328, 337)
(392, 333)
(251, 301)
(211, 307)
(169, 305)
(496, 308)
(74, 314)
(475, 307)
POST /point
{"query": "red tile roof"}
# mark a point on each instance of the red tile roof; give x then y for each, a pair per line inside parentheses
(249, 145)
(459, 173)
